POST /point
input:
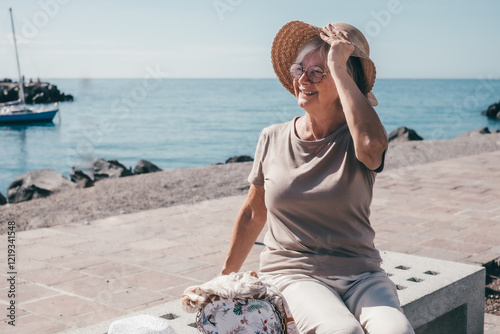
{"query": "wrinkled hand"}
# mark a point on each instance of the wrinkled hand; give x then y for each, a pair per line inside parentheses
(341, 45)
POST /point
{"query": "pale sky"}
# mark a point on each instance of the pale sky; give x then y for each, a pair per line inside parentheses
(232, 38)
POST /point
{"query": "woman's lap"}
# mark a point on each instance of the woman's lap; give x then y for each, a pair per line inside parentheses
(339, 305)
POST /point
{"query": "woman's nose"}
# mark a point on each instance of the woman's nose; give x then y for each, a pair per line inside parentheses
(303, 78)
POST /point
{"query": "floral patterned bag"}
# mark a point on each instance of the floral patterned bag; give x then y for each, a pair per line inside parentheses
(233, 316)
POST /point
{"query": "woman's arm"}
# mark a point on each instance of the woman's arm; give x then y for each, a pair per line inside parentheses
(249, 223)
(368, 133)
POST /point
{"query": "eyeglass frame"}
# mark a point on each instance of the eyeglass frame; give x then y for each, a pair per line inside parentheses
(305, 71)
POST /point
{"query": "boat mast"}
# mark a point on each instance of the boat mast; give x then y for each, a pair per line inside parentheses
(21, 88)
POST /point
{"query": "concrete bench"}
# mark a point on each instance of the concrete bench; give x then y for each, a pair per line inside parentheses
(437, 297)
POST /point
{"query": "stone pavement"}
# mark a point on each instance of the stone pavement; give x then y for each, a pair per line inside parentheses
(72, 276)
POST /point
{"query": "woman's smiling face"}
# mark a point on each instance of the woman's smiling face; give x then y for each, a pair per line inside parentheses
(320, 95)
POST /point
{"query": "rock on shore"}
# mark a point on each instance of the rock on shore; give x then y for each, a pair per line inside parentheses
(144, 167)
(493, 111)
(104, 169)
(403, 134)
(37, 184)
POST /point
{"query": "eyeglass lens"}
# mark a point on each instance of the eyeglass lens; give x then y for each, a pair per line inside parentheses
(314, 73)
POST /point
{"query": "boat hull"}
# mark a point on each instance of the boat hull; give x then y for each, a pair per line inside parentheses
(29, 117)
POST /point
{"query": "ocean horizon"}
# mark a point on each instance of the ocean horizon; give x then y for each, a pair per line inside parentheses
(183, 123)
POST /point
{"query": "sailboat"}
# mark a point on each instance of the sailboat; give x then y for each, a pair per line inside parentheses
(17, 111)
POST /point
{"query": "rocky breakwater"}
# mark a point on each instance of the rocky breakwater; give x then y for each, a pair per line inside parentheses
(45, 182)
(404, 134)
(34, 92)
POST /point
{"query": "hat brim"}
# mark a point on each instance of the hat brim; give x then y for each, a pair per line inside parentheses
(292, 37)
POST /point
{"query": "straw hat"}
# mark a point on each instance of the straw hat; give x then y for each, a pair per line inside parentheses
(295, 34)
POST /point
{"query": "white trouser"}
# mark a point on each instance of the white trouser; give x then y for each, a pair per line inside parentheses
(365, 303)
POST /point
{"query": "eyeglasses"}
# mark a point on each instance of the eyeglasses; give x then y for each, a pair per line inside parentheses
(314, 73)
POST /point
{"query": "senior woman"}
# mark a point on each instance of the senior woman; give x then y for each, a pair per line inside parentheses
(312, 181)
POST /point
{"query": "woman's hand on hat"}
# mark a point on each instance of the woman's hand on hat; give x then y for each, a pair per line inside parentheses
(341, 45)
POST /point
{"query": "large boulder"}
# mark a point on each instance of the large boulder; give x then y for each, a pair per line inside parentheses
(144, 167)
(403, 134)
(3, 200)
(37, 184)
(104, 169)
(493, 111)
(81, 179)
(240, 158)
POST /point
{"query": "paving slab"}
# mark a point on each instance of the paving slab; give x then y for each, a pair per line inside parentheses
(77, 275)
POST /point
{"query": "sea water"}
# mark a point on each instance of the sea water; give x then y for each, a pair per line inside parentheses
(182, 123)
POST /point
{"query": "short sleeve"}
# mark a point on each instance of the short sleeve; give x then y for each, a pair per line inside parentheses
(256, 176)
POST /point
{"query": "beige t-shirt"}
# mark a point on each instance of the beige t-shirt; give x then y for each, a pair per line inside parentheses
(318, 197)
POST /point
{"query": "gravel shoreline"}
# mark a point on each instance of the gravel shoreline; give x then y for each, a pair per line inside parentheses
(186, 186)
